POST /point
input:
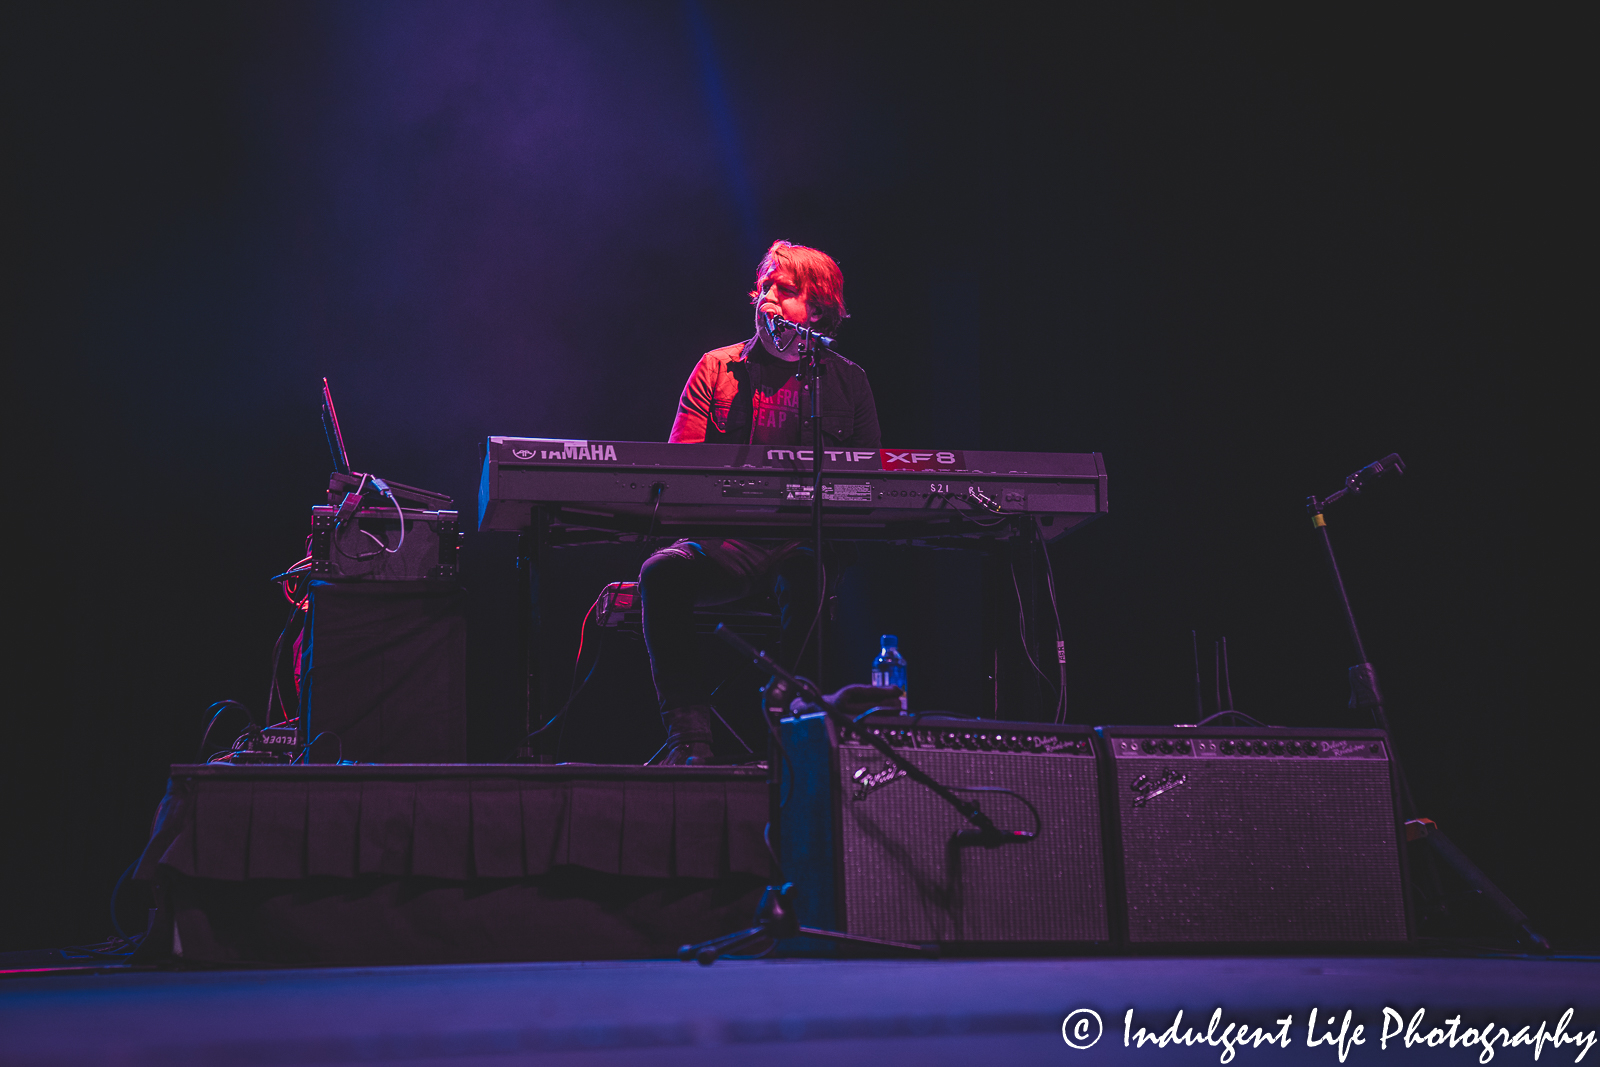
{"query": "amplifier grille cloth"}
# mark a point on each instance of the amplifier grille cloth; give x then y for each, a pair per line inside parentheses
(897, 875)
(1262, 850)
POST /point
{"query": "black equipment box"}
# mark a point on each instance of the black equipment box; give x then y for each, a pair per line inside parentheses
(1262, 834)
(368, 547)
(362, 534)
(871, 852)
(384, 673)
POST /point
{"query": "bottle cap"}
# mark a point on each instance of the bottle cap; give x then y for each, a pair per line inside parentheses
(890, 641)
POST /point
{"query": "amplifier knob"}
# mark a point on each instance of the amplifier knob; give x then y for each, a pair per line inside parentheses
(1276, 747)
(1149, 745)
(1181, 747)
(1261, 748)
(1225, 747)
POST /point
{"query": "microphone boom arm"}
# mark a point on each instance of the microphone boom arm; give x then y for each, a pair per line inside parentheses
(774, 324)
(984, 831)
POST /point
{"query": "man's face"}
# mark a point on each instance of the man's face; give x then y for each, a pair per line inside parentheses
(780, 298)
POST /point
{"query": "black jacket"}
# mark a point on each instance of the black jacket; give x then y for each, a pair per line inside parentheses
(717, 405)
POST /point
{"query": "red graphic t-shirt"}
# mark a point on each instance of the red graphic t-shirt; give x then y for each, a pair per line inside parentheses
(775, 402)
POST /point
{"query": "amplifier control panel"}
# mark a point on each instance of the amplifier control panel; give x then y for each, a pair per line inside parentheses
(976, 738)
(1247, 748)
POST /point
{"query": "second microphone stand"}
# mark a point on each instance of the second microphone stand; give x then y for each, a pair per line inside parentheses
(1365, 693)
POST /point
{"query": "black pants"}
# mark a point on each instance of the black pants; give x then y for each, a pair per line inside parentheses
(690, 574)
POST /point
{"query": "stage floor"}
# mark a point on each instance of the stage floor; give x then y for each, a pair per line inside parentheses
(789, 1012)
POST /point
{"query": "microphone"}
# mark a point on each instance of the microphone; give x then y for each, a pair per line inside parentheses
(1358, 481)
(774, 324)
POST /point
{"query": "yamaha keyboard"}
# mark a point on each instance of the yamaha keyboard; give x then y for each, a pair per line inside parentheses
(579, 491)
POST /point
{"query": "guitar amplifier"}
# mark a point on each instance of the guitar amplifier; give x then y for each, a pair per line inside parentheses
(872, 852)
(1233, 835)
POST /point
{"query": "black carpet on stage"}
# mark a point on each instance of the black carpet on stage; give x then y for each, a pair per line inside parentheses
(433, 863)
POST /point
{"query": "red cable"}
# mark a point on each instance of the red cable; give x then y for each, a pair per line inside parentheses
(583, 629)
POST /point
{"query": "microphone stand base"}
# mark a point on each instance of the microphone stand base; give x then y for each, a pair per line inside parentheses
(776, 921)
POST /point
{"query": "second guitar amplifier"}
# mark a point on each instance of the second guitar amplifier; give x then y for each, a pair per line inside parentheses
(1233, 835)
(872, 852)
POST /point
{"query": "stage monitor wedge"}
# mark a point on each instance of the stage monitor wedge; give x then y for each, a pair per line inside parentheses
(1254, 835)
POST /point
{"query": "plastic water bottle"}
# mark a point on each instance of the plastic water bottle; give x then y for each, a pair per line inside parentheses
(890, 667)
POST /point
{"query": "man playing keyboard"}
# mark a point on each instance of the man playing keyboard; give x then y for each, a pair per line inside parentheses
(752, 393)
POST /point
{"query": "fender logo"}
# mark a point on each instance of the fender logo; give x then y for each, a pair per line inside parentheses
(1149, 788)
(867, 781)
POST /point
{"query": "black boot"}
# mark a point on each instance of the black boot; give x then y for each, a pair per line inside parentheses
(688, 736)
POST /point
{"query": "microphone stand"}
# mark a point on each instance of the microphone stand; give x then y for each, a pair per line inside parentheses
(1364, 689)
(1365, 693)
(813, 353)
(775, 917)
(812, 345)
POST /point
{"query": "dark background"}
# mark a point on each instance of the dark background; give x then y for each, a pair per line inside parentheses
(1240, 252)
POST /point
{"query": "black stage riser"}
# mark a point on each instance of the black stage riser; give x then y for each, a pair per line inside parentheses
(882, 866)
(1284, 846)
